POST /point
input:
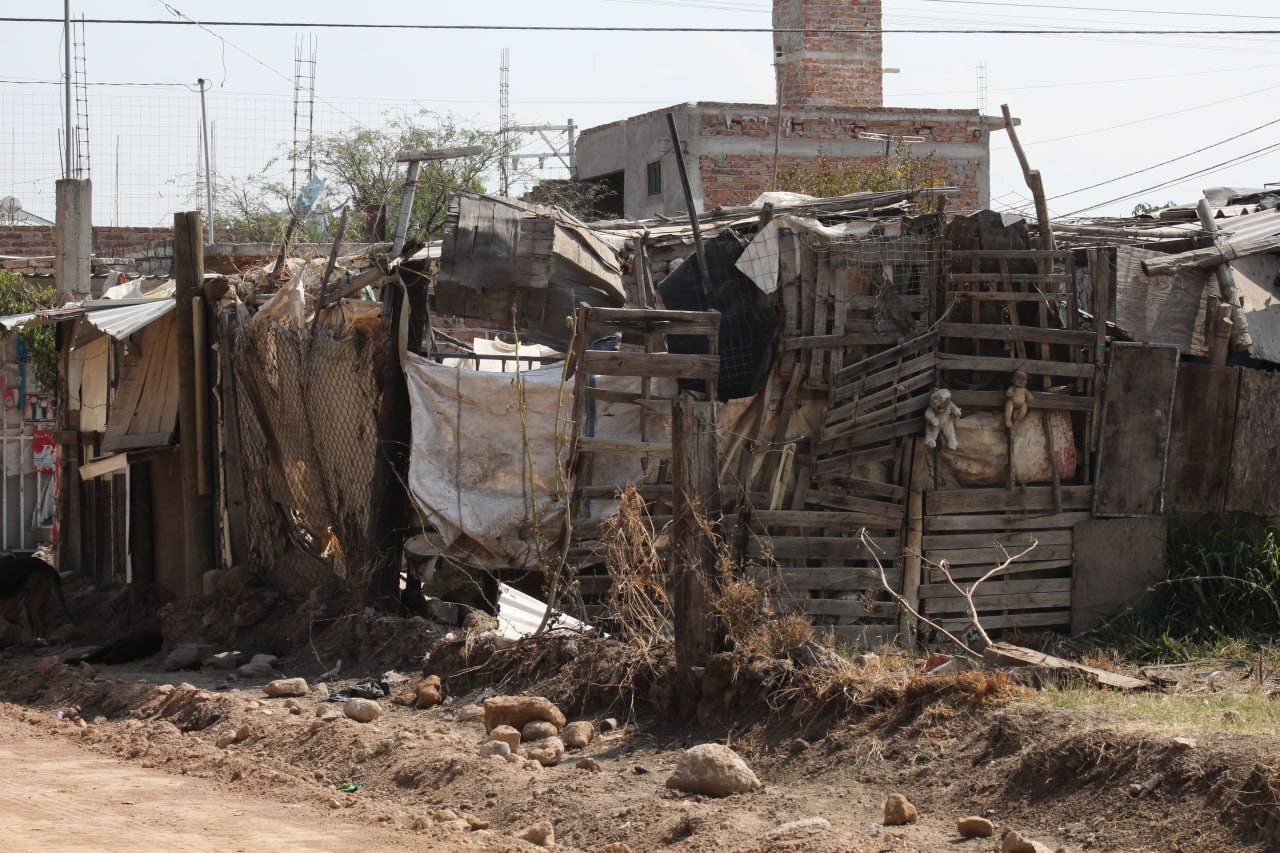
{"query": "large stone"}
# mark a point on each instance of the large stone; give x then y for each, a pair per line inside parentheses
(224, 660)
(499, 748)
(975, 827)
(469, 714)
(429, 692)
(578, 735)
(798, 829)
(537, 730)
(515, 711)
(287, 687)
(898, 811)
(541, 834)
(507, 735)
(713, 769)
(615, 847)
(1014, 842)
(548, 752)
(362, 710)
(186, 656)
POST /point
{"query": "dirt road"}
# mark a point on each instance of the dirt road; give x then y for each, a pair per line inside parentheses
(57, 796)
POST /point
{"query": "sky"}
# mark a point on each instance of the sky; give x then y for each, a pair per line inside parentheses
(1094, 108)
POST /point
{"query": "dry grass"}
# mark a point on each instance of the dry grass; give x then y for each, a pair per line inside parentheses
(637, 572)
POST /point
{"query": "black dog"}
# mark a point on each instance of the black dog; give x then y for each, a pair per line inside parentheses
(135, 646)
(29, 582)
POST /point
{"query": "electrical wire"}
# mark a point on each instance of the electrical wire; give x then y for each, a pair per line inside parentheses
(1103, 9)
(567, 28)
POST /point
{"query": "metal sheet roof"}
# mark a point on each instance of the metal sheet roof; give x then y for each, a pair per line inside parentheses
(122, 322)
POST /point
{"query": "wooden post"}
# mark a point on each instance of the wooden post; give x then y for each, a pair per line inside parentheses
(197, 517)
(695, 484)
(1034, 183)
(1100, 302)
(700, 253)
(415, 160)
(1220, 327)
(1241, 340)
(913, 553)
(67, 533)
(235, 503)
(390, 515)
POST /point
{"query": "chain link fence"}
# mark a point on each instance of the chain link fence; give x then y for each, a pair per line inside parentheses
(308, 409)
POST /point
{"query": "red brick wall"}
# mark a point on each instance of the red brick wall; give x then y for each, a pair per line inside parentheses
(826, 68)
(729, 179)
(108, 241)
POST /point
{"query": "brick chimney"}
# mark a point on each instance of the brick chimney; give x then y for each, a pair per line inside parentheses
(823, 69)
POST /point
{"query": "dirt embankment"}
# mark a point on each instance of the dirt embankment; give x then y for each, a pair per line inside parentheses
(826, 746)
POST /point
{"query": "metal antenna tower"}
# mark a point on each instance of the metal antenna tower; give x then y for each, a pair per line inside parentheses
(304, 114)
(504, 120)
(80, 133)
(982, 89)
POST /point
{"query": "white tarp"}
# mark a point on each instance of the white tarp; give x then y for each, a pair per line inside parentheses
(469, 468)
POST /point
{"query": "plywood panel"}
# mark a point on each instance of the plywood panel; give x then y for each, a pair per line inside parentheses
(1204, 420)
(1255, 464)
(1116, 559)
(1164, 309)
(1136, 419)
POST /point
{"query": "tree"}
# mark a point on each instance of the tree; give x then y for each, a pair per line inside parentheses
(20, 296)
(1144, 209)
(900, 169)
(360, 164)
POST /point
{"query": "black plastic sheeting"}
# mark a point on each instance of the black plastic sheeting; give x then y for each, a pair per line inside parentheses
(748, 318)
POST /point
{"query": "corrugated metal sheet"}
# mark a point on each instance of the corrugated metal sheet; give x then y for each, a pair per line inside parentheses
(519, 615)
(122, 322)
(15, 321)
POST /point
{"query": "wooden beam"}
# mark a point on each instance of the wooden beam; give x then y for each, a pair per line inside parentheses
(1034, 183)
(700, 253)
(695, 502)
(197, 518)
(1241, 340)
(1005, 654)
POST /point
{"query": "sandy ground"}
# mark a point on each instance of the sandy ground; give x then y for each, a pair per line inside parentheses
(59, 796)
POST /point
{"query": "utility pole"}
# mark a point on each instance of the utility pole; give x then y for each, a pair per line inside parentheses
(208, 168)
(66, 44)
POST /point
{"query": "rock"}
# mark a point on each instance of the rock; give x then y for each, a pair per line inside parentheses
(495, 748)
(517, 758)
(468, 714)
(63, 634)
(442, 815)
(362, 710)
(541, 834)
(269, 660)
(589, 764)
(1015, 843)
(49, 666)
(209, 580)
(293, 704)
(334, 804)
(713, 769)
(614, 847)
(87, 671)
(235, 580)
(975, 827)
(187, 656)
(223, 660)
(507, 735)
(817, 656)
(548, 752)
(515, 711)
(577, 735)
(609, 725)
(429, 692)
(475, 822)
(287, 687)
(537, 730)
(798, 745)
(256, 669)
(530, 764)
(1184, 742)
(795, 828)
(898, 811)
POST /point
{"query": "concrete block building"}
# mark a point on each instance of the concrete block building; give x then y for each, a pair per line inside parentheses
(830, 78)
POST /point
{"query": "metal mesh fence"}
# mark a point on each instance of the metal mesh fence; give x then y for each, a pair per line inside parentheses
(308, 409)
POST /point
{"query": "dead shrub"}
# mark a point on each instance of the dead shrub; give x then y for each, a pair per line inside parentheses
(637, 572)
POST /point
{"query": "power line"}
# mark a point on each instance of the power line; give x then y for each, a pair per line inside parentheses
(1234, 161)
(1026, 6)
(1167, 162)
(586, 29)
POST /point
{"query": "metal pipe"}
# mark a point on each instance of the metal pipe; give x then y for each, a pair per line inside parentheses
(208, 170)
(66, 44)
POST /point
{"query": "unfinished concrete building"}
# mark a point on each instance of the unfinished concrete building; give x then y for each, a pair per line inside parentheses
(830, 74)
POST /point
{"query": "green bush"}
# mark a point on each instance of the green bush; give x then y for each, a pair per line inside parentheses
(18, 296)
